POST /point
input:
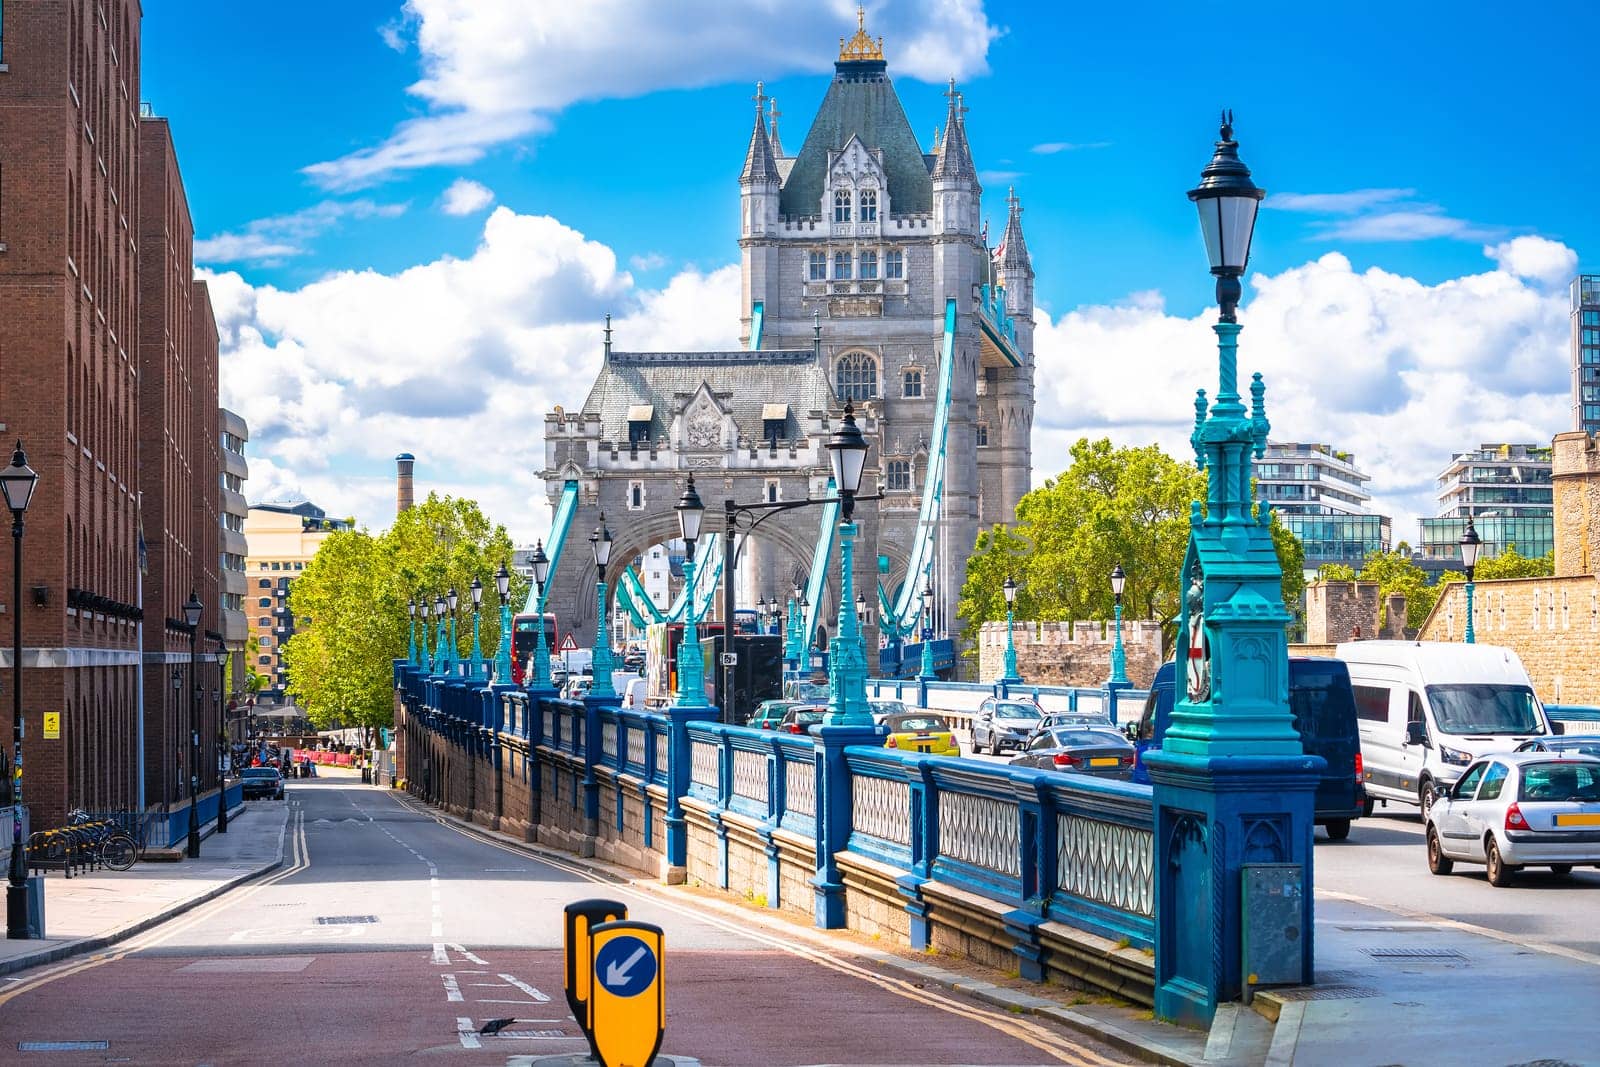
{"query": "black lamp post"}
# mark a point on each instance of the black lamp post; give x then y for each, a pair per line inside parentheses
(17, 482)
(539, 676)
(600, 542)
(1227, 200)
(847, 449)
(222, 745)
(1471, 546)
(1119, 658)
(691, 667)
(192, 610)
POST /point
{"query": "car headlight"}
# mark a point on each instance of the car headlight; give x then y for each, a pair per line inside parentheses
(1454, 756)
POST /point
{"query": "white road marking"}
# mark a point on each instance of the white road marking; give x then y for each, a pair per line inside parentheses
(439, 954)
(467, 1033)
(526, 988)
(469, 956)
(452, 989)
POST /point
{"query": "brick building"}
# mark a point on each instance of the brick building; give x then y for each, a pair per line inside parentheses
(85, 386)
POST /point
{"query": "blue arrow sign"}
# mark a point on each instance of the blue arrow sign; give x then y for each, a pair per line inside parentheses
(625, 966)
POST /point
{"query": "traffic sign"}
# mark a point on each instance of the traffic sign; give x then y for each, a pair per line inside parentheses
(627, 1002)
(581, 918)
(568, 644)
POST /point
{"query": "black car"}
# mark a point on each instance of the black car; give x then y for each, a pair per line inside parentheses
(262, 782)
(802, 717)
(1102, 752)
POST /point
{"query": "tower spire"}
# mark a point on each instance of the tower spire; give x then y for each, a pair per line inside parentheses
(759, 164)
(772, 120)
(1014, 259)
(861, 48)
(955, 157)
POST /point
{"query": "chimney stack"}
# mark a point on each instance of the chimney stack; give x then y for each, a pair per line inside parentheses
(403, 495)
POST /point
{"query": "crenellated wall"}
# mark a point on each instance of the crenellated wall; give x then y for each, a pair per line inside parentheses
(1070, 653)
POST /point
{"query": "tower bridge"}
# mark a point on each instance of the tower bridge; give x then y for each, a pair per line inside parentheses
(866, 279)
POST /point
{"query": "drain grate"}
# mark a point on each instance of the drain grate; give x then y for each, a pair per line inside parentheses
(1416, 954)
(63, 1046)
(1327, 992)
(345, 920)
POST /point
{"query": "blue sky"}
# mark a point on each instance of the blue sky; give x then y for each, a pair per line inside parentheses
(1404, 144)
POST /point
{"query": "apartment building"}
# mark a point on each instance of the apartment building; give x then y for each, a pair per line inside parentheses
(282, 539)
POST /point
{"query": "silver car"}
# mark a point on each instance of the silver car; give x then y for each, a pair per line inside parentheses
(1519, 809)
(1003, 724)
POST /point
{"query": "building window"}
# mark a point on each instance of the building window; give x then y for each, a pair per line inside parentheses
(266, 642)
(841, 206)
(869, 265)
(638, 432)
(912, 389)
(894, 264)
(635, 496)
(898, 473)
(774, 491)
(869, 205)
(819, 267)
(856, 376)
(841, 265)
(263, 659)
(265, 583)
(264, 620)
(980, 435)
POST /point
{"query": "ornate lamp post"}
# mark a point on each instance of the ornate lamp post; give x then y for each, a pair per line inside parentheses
(192, 610)
(411, 641)
(453, 649)
(847, 663)
(927, 673)
(441, 661)
(1471, 546)
(502, 654)
(691, 667)
(1119, 660)
(17, 482)
(539, 676)
(1010, 673)
(476, 589)
(221, 655)
(793, 649)
(600, 542)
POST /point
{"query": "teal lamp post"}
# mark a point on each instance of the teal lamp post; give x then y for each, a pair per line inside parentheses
(847, 660)
(793, 649)
(476, 589)
(453, 649)
(600, 542)
(1231, 787)
(1010, 673)
(440, 663)
(1471, 546)
(502, 654)
(1119, 659)
(539, 675)
(927, 673)
(411, 642)
(691, 666)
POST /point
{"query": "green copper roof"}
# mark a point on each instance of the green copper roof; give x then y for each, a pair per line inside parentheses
(861, 101)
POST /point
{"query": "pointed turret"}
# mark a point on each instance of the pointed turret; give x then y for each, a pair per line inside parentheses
(772, 117)
(759, 165)
(956, 192)
(955, 156)
(1014, 260)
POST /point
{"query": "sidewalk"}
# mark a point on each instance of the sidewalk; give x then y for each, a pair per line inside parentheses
(90, 911)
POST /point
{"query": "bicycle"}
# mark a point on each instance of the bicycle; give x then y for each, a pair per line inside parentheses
(117, 849)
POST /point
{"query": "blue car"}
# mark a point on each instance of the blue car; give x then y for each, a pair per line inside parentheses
(1324, 709)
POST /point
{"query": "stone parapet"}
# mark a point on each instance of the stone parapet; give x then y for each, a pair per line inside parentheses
(1071, 653)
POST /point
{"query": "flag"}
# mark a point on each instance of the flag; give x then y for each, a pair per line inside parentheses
(144, 551)
(1000, 249)
(985, 237)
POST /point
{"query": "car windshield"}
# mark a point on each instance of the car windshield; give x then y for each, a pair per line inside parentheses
(1577, 746)
(1015, 711)
(888, 707)
(1083, 738)
(260, 772)
(1561, 780)
(1485, 709)
(908, 723)
(809, 716)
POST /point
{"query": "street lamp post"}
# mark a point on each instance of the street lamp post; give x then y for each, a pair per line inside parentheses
(440, 656)
(1010, 674)
(192, 610)
(221, 655)
(17, 482)
(1471, 546)
(477, 605)
(502, 655)
(452, 650)
(411, 643)
(847, 660)
(600, 668)
(691, 667)
(539, 674)
(1119, 660)
(927, 673)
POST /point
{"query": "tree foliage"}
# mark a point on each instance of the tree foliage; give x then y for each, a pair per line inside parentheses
(1513, 564)
(1395, 573)
(354, 594)
(1111, 505)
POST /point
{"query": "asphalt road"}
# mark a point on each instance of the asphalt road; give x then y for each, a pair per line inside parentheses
(389, 935)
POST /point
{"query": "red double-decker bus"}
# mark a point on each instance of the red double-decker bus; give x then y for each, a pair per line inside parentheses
(525, 638)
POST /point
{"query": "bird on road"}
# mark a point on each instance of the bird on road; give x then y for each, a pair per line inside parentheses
(494, 1026)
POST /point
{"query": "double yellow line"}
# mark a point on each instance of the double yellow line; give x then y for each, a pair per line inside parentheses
(1031, 1033)
(300, 860)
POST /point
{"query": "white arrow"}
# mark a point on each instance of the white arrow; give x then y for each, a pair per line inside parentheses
(617, 973)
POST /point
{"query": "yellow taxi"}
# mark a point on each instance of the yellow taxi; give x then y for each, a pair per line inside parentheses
(920, 732)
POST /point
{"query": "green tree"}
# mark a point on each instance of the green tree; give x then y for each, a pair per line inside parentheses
(354, 594)
(1292, 558)
(1336, 572)
(1513, 564)
(1111, 505)
(1396, 573)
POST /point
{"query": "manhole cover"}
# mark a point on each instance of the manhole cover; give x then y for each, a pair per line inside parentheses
(63, 1046)
(1415, 954)
(1326, 992)
(345, 920)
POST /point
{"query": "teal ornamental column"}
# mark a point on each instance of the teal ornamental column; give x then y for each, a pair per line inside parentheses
(1231, 786)
(440, 662)
(600, 541)
(539, 674)
(453, 650)
(1471, 545)
(689, 701)
(502, 655)
(1009, 672)
(477, 650)
(411, 641)
(1119, 658)
(927, 673)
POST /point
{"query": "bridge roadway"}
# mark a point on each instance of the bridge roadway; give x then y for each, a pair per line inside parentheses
(387, 934)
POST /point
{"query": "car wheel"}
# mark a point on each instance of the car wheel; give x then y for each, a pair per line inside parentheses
(1367, 806)
(1499, 873)
(1425, 798)
(994, 745)
(1338, 829)
(1561, 870)
(1438, 862)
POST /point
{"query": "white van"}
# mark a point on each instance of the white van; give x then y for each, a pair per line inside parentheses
(1427, 709)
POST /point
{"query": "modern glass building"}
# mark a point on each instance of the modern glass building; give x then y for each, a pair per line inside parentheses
(1339, 538)
(1586, 353)
(1321, 496)
(1498, 479)
(1532, 534)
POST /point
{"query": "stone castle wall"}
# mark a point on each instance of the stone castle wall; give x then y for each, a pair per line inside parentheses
(1348, 611)
(1553, 624)
(1071, 653)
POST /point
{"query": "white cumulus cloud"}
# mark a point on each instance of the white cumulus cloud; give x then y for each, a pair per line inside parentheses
(496, 70)
(466, 197)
